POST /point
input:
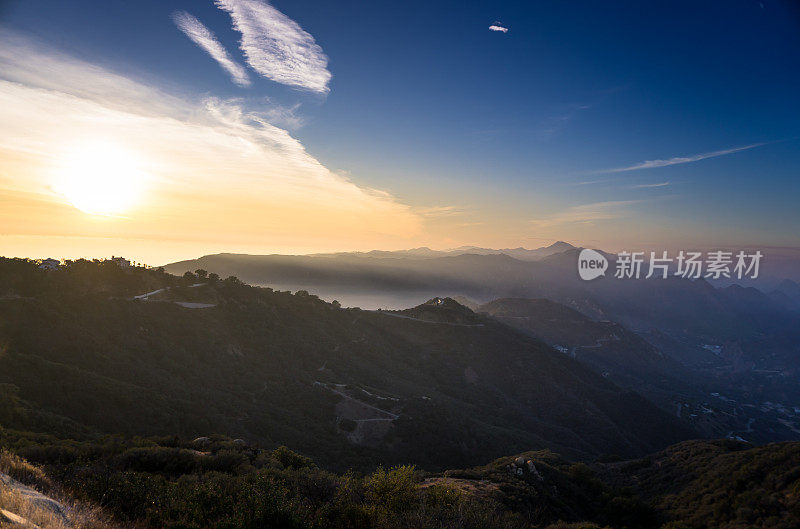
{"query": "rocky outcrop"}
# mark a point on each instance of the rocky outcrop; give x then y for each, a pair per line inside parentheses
(34, 501)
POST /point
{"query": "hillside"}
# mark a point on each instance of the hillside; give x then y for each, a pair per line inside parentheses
(730, 352)
(715, 404)
(349, 387)
(623, 356)
(169, 482)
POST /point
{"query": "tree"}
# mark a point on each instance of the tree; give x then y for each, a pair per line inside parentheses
(9, 403)
(202, 274)
(393, 489)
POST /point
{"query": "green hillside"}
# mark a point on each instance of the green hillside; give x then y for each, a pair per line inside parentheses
(351, 388)
(170, 482)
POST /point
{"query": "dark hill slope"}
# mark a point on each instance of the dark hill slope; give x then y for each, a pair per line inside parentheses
(718, 484)
(610, 348)
(349, 387)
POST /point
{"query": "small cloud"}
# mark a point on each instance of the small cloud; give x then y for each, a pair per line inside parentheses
(586, 213)
(440, 211)
(277, 47)
(497, 27)
(203, 37)
(592, 182)
(644, 186)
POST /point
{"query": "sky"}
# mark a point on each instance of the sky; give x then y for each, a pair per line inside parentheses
(164, 130)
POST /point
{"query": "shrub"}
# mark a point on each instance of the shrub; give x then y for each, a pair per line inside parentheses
(173, 461)
(291, 459)
(227, 461)
(394, 489)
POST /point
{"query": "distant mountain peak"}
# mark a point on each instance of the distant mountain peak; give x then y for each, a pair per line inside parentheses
(447, 303)
(443, 310)
(561, 244)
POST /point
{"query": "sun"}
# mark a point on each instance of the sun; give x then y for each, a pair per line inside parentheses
(100, 178)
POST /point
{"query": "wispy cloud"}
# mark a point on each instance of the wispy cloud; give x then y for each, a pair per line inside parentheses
(204, 37)
(652, 164)
(644, 186)
(440, 211)
(586, 213)
(277, 47)
(218, 171)
(591, 182)
(284, 116)
(497, 27)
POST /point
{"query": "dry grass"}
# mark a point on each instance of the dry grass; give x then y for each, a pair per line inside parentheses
(41, 512)
(13, 501)
(22, 471)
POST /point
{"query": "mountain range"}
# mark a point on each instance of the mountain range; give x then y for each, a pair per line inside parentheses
(726, 355)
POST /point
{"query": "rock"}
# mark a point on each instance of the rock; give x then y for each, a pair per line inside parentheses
(202, 441)
(532, 469)
(36, 499)
(11, 518)
(240, 442)
(519, 461)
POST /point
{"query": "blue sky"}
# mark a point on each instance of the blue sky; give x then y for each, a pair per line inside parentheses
(509, 138)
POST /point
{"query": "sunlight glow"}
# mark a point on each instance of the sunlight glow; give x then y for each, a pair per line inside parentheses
(100, 178)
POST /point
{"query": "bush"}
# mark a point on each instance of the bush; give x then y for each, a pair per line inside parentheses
(394, 490)
(227, 461)
(291, 459)
(173, 461)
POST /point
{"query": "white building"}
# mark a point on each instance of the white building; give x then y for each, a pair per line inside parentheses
(49, 264)
(121, 262)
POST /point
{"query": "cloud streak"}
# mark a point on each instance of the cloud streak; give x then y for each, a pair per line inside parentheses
(205, 39)
(497, 27)
(586, 214)
(277, 47)
(678, 160)
(440, 211)
(647, 186)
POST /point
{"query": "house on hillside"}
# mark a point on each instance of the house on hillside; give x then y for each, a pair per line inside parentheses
(49, 264)
(120, 262)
